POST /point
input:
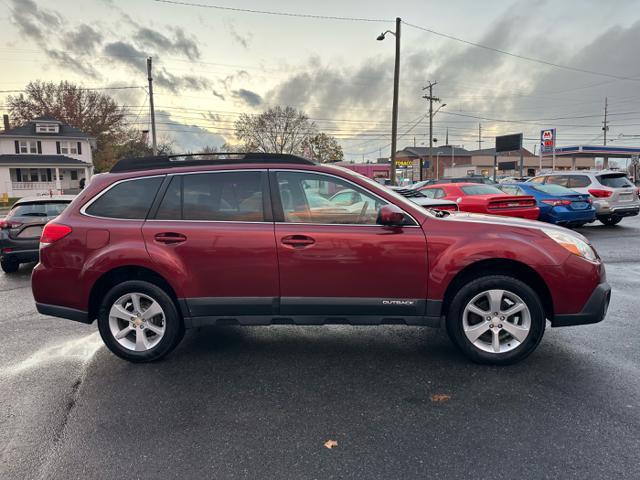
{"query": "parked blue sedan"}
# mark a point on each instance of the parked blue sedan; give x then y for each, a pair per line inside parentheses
(558, 204)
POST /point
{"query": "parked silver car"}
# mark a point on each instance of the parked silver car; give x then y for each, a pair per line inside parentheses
(613, 194)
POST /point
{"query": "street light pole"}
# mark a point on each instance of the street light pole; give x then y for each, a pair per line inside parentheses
(396, 82)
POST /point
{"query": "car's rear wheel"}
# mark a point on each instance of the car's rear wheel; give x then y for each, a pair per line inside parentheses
(139, 322)
(496, 319)
(610, 220)
(9, 266)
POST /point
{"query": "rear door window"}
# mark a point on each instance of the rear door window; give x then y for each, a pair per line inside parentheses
(128, 200)
(578, 181)
(224, 196)
(558, 180)
(615, 180)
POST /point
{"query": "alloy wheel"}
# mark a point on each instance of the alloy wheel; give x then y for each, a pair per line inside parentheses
(137, 321)
(496, 321)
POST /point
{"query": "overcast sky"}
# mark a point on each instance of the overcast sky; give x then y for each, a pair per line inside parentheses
(212, 64)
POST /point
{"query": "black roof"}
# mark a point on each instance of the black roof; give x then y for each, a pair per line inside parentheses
(39, 160)
(186, 160)
(29, 129)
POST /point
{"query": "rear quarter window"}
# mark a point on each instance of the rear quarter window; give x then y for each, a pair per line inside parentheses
(614, 181)
(128, 200)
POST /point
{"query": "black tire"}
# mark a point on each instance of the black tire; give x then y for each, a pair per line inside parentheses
(611, 220)
(174, 325)
(9, 266)
(455, 328)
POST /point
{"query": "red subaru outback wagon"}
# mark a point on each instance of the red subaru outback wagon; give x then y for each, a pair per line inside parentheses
(162, 244)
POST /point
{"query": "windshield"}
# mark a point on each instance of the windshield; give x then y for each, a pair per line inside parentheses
(619, 180)
(481, 189)
(552, 189)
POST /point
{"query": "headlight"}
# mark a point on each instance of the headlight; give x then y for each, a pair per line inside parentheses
(572, 243)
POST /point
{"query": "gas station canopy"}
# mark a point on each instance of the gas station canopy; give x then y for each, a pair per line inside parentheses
(595, 151)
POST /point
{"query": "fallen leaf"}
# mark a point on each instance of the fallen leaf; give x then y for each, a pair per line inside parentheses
(330, 444)
(440, 397)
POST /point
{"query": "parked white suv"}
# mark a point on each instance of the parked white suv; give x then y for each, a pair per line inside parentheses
(613, 194)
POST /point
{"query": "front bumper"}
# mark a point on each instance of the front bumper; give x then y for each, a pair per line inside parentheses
(593, 311)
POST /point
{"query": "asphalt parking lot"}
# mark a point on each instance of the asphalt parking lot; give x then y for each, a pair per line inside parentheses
(261, 402)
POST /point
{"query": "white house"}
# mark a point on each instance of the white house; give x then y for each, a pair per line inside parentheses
(43, 156)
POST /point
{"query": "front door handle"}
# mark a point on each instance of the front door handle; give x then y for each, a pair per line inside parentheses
(297, 241)
(170, 238)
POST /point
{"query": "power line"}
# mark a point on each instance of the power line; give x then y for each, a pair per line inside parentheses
(274, 13)
(521, 57)
(83, 88)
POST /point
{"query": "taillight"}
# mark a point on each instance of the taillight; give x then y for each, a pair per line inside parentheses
(556, 203)
(53, 232)
(599, 193)
(8, 224)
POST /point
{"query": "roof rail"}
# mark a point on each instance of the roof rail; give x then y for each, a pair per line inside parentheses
(133, 164)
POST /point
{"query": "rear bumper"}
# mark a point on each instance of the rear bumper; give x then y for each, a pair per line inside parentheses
(593, 311)
(21, 256)
(63, 312)
(605, 209)
(569, 217)
(21, 250)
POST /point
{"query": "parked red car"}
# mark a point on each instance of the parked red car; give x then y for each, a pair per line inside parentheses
(479, 198)
(160, 245)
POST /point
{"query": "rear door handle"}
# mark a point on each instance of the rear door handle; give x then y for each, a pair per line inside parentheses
(297, 241)
(170, 238)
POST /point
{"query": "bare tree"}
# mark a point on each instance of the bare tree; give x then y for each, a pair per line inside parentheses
(278, 130)
(323, 148)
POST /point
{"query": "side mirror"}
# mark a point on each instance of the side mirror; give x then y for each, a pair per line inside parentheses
(390, 215)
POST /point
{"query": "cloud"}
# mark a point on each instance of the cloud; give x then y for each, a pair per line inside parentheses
(125, 53)
(65, 60)
(84, 39)
(157, 41)
(187, 137)
(248, 97)
(218, 94)
(242, 40)
(33, 21)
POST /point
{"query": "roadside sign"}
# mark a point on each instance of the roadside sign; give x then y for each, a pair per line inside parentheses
(509, 143)
(547, 140)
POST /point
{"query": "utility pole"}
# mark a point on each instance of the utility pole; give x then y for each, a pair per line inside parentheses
(479, 136)
(431, 99)
(605, 129)
(394, 120)
(154, 145)
(447, 139)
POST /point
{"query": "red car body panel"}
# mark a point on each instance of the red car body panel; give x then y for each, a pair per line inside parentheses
(237, 259)
(482, 203)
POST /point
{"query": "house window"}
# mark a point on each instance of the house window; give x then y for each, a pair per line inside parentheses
(74, 174)
(46, 128)
(33, 174)
(68, 148)
(28, 146)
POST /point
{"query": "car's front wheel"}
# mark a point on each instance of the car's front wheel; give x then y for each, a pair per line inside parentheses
(496, 319)
(139, 322)
(9, 266)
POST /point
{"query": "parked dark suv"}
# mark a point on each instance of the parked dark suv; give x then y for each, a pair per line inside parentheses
(162, 244)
